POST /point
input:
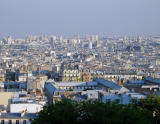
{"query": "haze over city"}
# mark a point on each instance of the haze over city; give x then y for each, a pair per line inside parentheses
(79, 62)
(19, 18)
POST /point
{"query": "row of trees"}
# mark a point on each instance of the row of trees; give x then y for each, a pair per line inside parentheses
(144, 111)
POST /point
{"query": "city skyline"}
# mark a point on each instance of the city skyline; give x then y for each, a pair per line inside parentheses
(79, 61)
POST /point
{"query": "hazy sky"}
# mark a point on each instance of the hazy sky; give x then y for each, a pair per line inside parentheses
(107, 17)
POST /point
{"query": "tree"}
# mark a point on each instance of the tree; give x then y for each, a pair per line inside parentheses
(144, 111)
(63, 112)
(152, 104)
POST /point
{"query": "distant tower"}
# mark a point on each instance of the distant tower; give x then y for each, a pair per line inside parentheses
(94, 38)
(139, 39)
(53, 41)
(61, 39)
(90, 45)
(87, 37)
(98, 44)
(9, 40)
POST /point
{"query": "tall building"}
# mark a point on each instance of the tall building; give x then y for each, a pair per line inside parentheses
(139, 39)
(53, 41)
(87, 37)
(61, 39)
(94, 38)
(90, 45)
(9, 40)
(98, 44)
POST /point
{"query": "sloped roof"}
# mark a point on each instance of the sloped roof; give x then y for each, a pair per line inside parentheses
(108, 84)
(50, 81)
(70, 84)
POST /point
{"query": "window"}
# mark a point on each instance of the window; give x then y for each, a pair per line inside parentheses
(17, 121)
(24, 122)
(2, 121)
(10, 122)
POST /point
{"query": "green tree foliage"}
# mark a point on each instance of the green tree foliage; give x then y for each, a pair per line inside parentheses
(64, 112)
(145, 111)
(152, 104)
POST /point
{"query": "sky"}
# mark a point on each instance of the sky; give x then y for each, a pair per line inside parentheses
(19, 18)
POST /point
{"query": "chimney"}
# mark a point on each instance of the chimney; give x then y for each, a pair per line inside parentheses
(23, 113)
(109, 90)
(120, 82)
(4, 110)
